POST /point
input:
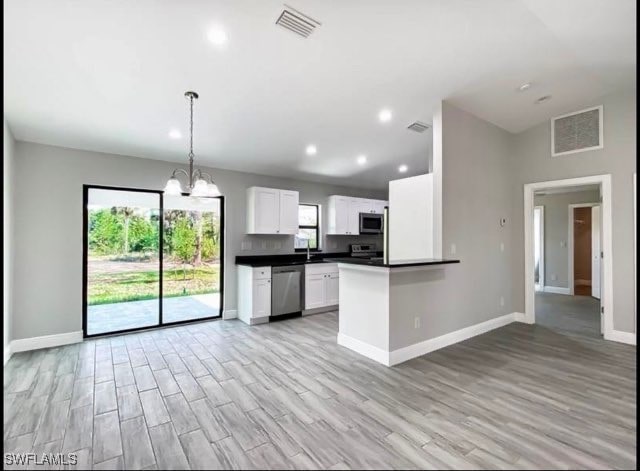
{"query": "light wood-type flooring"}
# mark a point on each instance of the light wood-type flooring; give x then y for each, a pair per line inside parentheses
(221, 394)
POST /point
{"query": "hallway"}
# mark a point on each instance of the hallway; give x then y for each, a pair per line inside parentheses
(577, 315)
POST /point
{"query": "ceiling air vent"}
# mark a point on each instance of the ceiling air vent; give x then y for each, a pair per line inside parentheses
(297, 22)
(418, 126)
(577, 132)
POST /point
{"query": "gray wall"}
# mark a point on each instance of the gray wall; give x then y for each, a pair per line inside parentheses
(8, 166)
(48, 242)
(532, 162)
(476, 193)
(556, 233)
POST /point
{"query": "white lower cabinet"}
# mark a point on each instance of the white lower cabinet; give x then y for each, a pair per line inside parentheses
(254, 294)
(331, 289)
(321, 285)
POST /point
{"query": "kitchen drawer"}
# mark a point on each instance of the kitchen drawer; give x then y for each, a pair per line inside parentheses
(261, 273)
(321, 268)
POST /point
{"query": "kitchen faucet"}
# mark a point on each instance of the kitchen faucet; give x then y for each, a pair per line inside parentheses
(308, 252)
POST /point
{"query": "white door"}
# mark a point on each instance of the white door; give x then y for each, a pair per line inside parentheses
(288, 212)
(355, 207)
(331, 289)
(261, 298)
(314, 291)
(267, 211)
(595, 252)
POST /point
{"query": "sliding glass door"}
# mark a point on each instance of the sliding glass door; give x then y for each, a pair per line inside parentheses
(149, 260)
(191, 258)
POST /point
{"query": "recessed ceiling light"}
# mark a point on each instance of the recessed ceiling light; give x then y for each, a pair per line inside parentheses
(362, 159)
(217, 36)
(403, 168)
(311, 150)
(385, 115)
(542, 99)
(175, 134)
(524, 86)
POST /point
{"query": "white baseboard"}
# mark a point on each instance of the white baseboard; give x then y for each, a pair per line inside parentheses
(583, 282)
(556, 290)
(363, 348)
(7, 353)
(521, 317)
(422, 348)
(46, 341)
(620, 336)
(229, 314)
(418, 349)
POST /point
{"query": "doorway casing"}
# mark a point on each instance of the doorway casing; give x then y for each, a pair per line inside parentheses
(529, 259)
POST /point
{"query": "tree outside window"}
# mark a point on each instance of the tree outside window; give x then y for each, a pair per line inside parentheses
(308, 227)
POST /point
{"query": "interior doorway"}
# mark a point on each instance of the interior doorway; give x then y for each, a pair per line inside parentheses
(150, 259)
(585, 249)
(568, 274)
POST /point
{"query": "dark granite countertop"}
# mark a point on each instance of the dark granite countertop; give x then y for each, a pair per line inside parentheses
(286, 259)
(378, 262)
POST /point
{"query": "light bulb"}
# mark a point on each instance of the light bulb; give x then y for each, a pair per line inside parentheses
(213, 190)
(173, 187)
(200, 188)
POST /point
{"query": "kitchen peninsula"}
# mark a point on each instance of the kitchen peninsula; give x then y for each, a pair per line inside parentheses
(382, 304)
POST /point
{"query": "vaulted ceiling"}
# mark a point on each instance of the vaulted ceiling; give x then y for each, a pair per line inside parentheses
(110, 76)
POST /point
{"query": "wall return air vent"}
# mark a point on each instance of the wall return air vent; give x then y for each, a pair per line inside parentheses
(418, 126)
(297, 22)
(577, 132)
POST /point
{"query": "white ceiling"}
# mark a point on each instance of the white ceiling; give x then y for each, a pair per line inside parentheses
(109, 75)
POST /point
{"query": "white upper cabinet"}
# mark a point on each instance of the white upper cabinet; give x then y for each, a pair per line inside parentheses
(356, 206)
(338, 212)
(344, 213)
(272, 211)
(378, 206)
(289, 212)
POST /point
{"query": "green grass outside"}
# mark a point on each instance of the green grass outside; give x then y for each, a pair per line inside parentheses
(109, 288)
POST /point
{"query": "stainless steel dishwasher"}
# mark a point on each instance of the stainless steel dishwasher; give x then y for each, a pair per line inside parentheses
(287, 290)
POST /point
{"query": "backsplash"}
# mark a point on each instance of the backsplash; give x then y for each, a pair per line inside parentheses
(275, 244)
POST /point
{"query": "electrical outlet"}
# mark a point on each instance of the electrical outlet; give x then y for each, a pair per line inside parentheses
(502, 301)
(416, 323)
(453, 249)
(554, 277)
(563, 243)
(501, 246)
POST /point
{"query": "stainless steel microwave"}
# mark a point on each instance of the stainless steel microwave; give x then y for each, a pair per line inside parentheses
(371, 223)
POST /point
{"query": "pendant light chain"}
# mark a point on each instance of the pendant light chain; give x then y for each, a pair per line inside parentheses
(201, 183)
